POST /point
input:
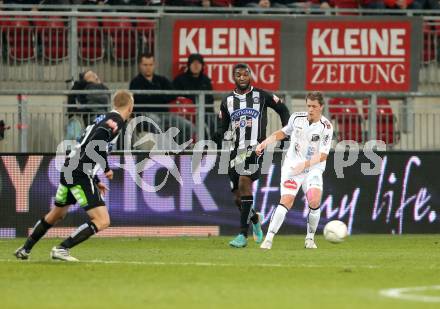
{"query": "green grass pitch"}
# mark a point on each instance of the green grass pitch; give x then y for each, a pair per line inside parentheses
(206, 273)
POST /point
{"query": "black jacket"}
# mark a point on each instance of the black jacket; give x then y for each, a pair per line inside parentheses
(87, 99)
(186, 81)
(158, 83)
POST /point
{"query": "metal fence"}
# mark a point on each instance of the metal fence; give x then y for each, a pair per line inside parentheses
(403, 121)
(43, 49)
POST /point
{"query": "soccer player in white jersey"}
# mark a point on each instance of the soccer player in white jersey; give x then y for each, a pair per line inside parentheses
(310, 140)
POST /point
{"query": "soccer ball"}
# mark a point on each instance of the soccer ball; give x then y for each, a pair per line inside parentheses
(335, 231)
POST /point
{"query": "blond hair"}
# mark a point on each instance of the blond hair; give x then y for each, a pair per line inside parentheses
(122, 98)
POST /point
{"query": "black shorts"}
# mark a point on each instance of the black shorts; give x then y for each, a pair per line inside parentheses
(83, 190)
(244, 163)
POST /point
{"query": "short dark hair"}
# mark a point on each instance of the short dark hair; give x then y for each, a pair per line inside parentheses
(145, 55)
(241, 66)
(316, 96)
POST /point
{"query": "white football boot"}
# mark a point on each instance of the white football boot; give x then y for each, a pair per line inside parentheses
(62, 254)
(310, 244)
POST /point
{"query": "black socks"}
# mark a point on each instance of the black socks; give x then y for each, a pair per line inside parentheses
(40, 228)
(81, 234)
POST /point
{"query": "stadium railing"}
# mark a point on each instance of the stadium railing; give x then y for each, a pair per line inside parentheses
(40, 119)
(44, 48)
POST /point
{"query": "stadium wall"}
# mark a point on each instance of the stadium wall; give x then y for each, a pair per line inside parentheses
(399, 195)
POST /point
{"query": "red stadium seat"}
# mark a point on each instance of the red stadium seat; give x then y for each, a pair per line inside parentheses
(90, 39)
(145, 29)
(187, 109)
(347, 4)
(122, 38)
(385, 121)
(348, 119)
(52, 34)
(20, 39)
(429, 37)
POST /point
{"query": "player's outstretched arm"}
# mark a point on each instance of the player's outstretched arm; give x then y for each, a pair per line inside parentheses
(275, 137)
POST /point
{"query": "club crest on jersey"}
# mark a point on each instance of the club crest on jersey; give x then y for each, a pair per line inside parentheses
(249, 112)
(256, 100)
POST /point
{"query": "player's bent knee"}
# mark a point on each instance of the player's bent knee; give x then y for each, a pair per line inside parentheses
(102, 223)
(287, 200)
(314, 204)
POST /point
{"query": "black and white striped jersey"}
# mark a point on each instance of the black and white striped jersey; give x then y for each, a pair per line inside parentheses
(94, 145)
(245, 115)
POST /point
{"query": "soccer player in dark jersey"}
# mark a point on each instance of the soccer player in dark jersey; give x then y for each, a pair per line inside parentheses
(79, 183)
(243, 112)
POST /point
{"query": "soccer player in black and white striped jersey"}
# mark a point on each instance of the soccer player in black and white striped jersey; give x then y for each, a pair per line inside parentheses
(243, 113)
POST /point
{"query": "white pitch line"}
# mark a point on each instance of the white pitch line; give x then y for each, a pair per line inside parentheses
(205, 264)
(402, 293)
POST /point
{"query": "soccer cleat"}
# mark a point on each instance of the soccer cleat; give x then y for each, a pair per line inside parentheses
(257, 232)
(22, 254)
(239, 241)
(267, 244)
(310, 244)
(62, 254)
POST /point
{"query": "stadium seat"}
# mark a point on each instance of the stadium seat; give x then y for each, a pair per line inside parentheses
(52, 33)
(348, 119)
(90, 39)
(145, 31)
(385, 121)
(187, 109)
(122, 37)
(347, 4)
(20, 39)
(429, 44)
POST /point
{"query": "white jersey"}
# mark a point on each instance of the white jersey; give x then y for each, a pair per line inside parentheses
(307, 139)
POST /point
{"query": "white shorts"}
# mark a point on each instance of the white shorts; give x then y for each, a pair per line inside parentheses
(290, 184)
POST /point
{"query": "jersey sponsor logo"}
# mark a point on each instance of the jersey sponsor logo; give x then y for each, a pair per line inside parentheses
(99, 118)
(290, 184)
(249, 112)
(315, 137)
(243, 123)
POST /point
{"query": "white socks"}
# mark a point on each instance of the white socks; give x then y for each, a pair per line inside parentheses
(312, 222)
(275, 223)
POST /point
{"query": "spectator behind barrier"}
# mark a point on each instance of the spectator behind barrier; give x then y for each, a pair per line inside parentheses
(403, 4)
(88, 80)
(148, 80)
(195, 79)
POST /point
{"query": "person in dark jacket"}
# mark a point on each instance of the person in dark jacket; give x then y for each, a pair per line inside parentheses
(88, 80)
(148, 80)
(195, 79)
